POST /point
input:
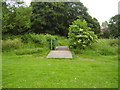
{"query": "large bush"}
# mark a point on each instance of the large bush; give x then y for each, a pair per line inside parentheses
(80, 35)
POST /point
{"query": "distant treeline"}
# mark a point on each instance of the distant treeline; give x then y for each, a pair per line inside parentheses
(44, 17)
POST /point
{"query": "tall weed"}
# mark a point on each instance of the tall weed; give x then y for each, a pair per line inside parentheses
(29, 51)
(101, 47)
(11, 44)
(37, 39)
(105, 47)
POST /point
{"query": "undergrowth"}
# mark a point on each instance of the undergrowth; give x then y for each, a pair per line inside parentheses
(101, 47)
(31, 43)
(40, 43)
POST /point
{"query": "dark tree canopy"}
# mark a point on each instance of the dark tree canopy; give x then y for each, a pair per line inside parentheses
(15, 18)
(55, 17)
(44, 17)
(114, 25)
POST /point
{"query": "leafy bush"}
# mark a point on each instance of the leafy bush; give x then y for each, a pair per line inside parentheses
(39, 40)
(80, 35)
(35, 38)
(63, 41)
(11, 44)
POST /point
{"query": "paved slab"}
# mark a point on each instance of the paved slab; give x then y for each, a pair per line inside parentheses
(62, 48)
(59, 54)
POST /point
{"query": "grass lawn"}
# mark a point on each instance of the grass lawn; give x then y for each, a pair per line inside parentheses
(36, 71)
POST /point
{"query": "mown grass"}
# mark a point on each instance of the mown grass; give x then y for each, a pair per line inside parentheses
(28, 67)
(36, 71)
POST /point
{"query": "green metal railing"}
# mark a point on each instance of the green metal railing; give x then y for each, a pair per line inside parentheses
(53, 43)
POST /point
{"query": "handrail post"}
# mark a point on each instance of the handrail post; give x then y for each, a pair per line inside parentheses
(51, 44)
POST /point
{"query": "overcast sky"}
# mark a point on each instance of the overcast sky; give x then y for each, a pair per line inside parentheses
(103, 10)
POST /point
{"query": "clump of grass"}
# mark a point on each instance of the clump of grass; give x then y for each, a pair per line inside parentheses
(101, 47)
(29, 51)
(105, 47)
(10, 44)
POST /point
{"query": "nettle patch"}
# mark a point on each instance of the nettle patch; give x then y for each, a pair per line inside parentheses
(80, 35)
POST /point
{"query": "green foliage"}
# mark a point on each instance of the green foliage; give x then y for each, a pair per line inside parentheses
(106, 47)
(62, 41)
(95, 26)
(106, 34)
(44, 40)
(33, 40)
(26, 41)
(111, 28)
(11, 44)
(105, 24)
(29, 51)
(114, 25)
(39, 40)
(48, 17)
(16, 20)
(103, 47)
(80, 35)
(57, 16)
(43, 17)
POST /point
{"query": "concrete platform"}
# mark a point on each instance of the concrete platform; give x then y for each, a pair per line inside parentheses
(62, 48)
(59, 54)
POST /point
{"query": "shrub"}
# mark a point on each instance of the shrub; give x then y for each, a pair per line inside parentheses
(35, 38)
(63, 41)
(39, 40)
(104, 47)
(11, 44)
(80, 35)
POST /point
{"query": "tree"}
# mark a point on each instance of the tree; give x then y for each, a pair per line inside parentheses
(16, 20)
(114, 25)
(44, 17)
(80, 35)
(105, 24)
(95, 26)
(48, 18)
(5, 16)
(105, 32)
(55, 17)
(92, 23)
(76, 9)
